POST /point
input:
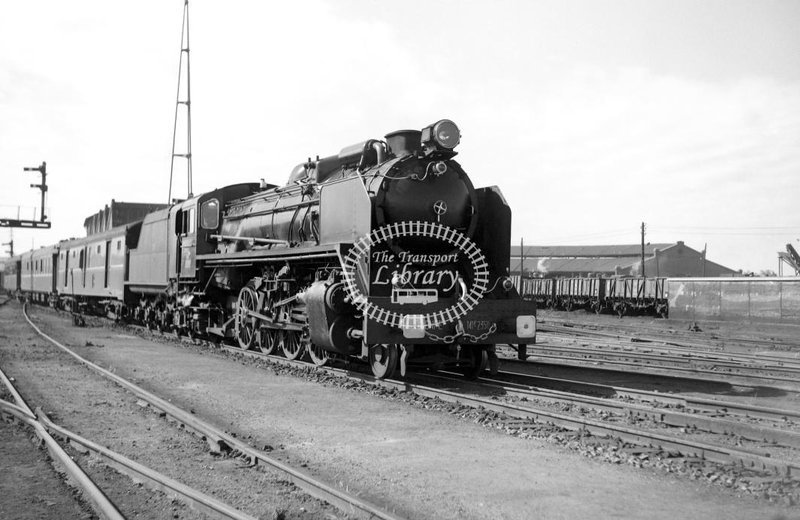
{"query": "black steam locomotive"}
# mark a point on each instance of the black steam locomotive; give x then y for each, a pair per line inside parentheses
(384, 252)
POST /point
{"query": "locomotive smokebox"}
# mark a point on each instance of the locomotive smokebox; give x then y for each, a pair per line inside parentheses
(404, 142)
(420, 190)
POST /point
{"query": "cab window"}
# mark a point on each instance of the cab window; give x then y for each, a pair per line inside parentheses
(209, 214)
(185, 222)
(190, 221)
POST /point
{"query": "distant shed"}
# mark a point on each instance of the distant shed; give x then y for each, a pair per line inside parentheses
(666, 259)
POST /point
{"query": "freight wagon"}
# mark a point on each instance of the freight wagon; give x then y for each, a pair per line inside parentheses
(621, 295)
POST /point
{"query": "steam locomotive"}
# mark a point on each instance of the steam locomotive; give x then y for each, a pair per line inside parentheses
(384, 252)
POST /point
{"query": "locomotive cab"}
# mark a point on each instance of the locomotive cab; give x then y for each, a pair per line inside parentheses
(196, 224)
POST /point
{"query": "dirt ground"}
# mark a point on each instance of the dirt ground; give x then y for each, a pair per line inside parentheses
(422, 463)
(30, 487)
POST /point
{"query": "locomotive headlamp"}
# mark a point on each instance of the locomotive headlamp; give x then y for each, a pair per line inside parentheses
(526, 326)
(442, 135)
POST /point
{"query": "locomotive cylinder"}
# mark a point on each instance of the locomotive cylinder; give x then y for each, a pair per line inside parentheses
(330, 318)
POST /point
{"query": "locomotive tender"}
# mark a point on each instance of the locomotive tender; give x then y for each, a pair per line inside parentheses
(384, 252)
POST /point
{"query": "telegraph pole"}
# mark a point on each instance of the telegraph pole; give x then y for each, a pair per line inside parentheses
(705, 247)
(643, 228)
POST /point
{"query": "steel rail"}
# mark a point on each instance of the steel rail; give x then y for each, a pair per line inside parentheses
(788, 385)
(716, 425)
(101, 504)
(195, 499)
(689, 402)
(657, 336)
(663, 351)
(647, 349)
(688, 448)
(220, 441)
(17, 411)
(667, 362)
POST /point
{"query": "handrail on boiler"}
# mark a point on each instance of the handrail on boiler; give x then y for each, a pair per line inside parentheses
(252, 240)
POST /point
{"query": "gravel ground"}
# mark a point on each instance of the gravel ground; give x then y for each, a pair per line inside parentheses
(76, 398)
(420, 461)
(30, 487)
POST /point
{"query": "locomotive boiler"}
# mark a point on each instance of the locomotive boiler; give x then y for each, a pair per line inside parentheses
(384, 251)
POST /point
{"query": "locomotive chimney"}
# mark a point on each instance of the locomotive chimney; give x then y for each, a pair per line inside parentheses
(404, 142)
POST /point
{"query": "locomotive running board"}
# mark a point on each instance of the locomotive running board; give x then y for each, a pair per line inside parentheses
(270, 255)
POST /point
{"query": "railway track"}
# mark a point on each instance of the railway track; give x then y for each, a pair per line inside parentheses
(699, 415)
(526, 415)
(631, 353)
(617, 428)
(48, 432)
(775, 427)
(693, 337)
(20, 411)
(695, 341)
(219, 442)
(659, 399)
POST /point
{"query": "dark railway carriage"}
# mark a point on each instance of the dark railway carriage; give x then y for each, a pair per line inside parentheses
(12, 274)
(36, 277)
(92, 270)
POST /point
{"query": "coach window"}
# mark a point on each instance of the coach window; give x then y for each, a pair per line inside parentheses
(80, 260)
(190, 222)
(209, 214)
(119, 245)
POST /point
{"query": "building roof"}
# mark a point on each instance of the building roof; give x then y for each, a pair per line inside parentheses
(610, 259)
(609, 251)
(573, 265)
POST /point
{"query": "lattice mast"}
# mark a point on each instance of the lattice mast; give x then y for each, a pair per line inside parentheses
(185, 101)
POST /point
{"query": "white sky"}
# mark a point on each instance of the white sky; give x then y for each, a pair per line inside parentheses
(592, 116)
